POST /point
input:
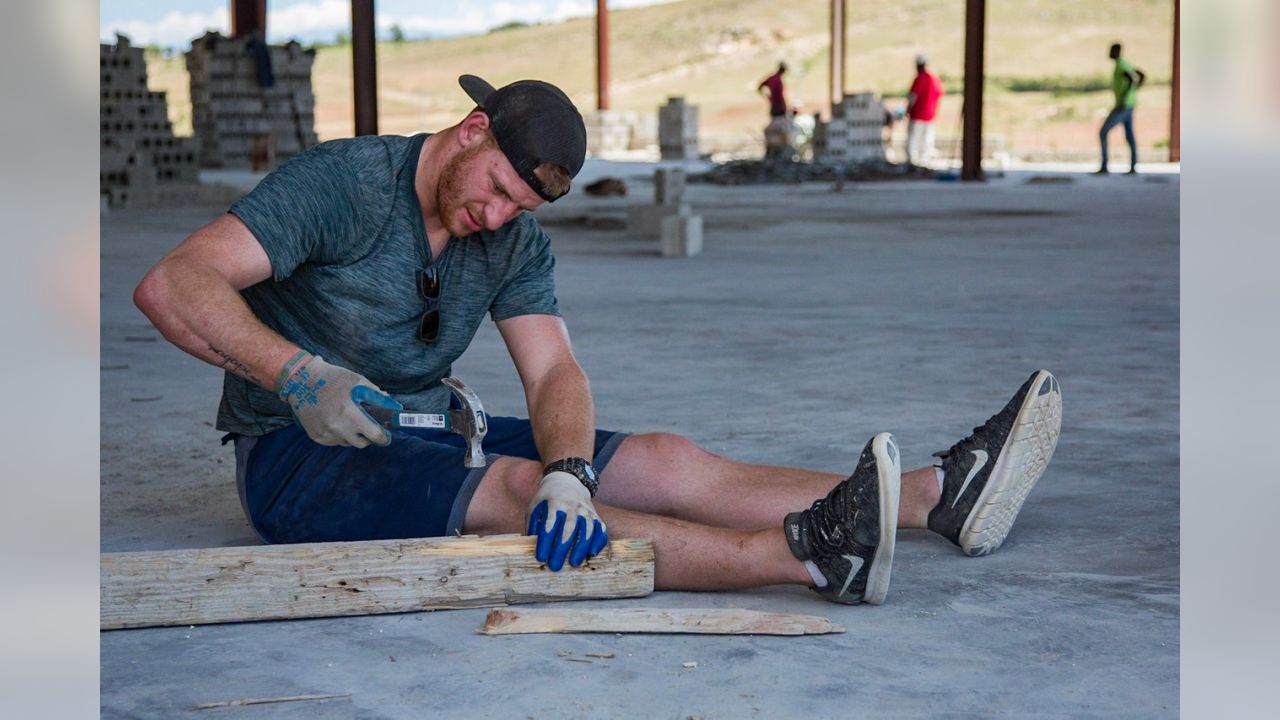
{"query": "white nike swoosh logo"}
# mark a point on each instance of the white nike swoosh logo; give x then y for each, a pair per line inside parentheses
(977, 467)
(856, 565)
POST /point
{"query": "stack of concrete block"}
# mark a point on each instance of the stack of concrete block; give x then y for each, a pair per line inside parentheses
(780, 139)
(138, 148)
(234, 116)
(669, 217)
(854, 133)
(678, 130)
(618, 131)
(608, 132)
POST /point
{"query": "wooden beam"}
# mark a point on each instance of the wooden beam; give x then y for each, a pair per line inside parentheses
(285, 582)
(646, 620)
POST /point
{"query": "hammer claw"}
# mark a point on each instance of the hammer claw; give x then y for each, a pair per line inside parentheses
(468, 421)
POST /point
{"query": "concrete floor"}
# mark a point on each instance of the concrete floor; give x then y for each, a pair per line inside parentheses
(812, 320)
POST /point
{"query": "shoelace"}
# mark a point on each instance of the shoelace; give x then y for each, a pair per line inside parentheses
(979, 431)
(825, 517)
(968, 440)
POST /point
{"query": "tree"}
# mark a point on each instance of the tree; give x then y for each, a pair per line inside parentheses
(397, 33)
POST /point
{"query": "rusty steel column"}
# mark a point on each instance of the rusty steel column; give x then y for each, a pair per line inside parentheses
(835, 91)
(248, 16)
(1175, 121)
(364, 67)
(975, 21)
(602, 55)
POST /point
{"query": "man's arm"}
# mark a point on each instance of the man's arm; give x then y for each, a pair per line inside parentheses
(561, 514)
(192, 296)
(556, 389)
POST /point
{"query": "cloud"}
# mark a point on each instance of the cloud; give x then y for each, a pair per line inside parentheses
(324, 19)
(174, 29)
(469, 20)
(573, 8)
(309, 20)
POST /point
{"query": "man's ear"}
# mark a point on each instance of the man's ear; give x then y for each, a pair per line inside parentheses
(473, 128)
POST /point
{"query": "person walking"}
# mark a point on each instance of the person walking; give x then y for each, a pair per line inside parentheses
(1125, 82)
(922, 108)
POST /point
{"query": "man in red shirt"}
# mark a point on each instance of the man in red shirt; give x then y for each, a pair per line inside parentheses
(777, 103)
(922, 107)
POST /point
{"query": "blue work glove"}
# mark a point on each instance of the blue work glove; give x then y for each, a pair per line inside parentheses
(565, 522)
(326, 401)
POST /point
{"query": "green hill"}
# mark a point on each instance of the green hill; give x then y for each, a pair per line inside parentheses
(1047, 66)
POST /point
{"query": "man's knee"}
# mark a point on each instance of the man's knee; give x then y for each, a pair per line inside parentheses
(667, 447)
(502, 497)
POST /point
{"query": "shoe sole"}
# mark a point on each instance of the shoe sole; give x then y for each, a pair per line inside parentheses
(889, 475)
(1022, 461)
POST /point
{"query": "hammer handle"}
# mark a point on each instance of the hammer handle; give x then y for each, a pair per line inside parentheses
(398, 419)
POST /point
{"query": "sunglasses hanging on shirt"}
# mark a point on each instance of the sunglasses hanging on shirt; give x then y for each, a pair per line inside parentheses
(429, 289)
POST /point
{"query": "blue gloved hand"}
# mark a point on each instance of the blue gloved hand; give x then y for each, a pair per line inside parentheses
(326, 401)
(565, 522)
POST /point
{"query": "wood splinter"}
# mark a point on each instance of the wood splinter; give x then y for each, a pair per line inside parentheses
(272, 700)
(643, 620)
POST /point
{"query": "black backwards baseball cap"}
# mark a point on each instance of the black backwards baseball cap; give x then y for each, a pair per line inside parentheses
(534, 123)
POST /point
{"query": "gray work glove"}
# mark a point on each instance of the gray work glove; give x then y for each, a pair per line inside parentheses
(326, 400)
(565, 522)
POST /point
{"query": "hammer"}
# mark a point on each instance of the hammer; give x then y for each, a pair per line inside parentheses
(468, 421)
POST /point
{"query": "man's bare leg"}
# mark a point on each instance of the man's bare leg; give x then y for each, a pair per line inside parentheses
(669, 475)
(689, 556)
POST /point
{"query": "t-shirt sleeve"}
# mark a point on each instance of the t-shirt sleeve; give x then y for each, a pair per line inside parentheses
(531, 289)
(309, 209)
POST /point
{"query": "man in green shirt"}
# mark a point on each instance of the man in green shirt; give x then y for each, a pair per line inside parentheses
(1125, 82)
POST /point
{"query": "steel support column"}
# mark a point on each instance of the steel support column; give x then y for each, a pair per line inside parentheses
(364, 67)
(602, 55)
(248, 16)
(836, 89)
(1175, 120)
(975, 21)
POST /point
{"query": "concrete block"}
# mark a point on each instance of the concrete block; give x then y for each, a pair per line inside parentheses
(678, 130)
(646, 220)
(668, 186)
(681, 235)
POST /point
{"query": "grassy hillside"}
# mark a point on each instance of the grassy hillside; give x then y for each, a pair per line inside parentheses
(1046, 60)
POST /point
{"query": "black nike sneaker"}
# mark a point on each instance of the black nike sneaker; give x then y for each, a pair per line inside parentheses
(849, 534)
(988, 475)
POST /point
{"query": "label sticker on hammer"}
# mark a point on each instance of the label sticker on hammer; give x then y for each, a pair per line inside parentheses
(421, 420)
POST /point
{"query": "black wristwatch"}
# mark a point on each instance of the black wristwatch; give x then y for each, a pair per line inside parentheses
(577, 467)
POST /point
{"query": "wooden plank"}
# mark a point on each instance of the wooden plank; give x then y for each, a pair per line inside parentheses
(644, 620)
(273, 700)
(283, 582)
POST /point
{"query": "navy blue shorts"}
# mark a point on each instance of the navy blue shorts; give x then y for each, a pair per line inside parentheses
(295, 490)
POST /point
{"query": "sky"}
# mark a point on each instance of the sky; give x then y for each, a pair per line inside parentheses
(174, 23)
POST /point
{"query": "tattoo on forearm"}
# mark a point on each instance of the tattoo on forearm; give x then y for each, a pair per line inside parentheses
(229, 362)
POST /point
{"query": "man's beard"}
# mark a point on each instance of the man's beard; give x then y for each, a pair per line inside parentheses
(449, 189)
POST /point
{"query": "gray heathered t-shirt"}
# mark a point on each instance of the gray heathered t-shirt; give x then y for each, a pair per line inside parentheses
(343, 228)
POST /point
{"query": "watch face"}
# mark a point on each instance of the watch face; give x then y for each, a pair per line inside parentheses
(589, 471)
